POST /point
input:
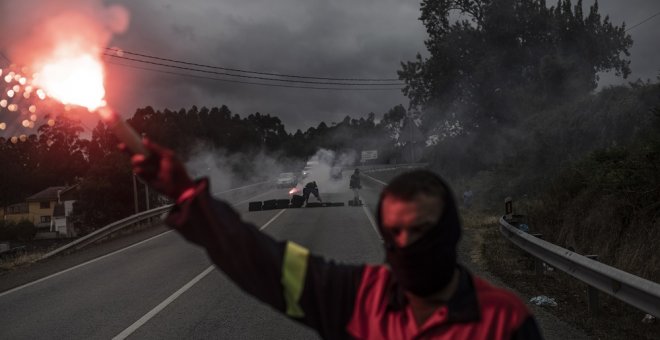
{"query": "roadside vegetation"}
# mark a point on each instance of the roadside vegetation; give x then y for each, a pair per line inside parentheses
(615, 319)
(11, 262)
(22, 231)
(517, 113)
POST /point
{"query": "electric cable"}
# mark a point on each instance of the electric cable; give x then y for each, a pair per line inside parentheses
(253, 83)
(643, 21)
(249, 77)
(117, 50)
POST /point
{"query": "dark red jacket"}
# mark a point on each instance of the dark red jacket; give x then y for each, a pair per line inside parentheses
(341, 301)
(477, 310)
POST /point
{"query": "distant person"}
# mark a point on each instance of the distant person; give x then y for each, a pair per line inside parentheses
(422, 292)
(467, 198)
(356, 186)
(311, 188)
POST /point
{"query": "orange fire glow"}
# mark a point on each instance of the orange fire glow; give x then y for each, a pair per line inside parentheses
(73, 78)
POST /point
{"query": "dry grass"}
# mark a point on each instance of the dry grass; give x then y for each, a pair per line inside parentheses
(477, 220)
(616, 320)
(608, 227)
(37, 249)
(12, 262)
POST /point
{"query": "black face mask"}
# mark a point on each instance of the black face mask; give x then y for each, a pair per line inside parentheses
(428, 264)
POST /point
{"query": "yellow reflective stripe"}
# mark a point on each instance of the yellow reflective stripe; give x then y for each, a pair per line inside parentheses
(294, 268)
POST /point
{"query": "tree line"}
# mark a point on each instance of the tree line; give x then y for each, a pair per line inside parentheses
(58, 154)
(511, 86)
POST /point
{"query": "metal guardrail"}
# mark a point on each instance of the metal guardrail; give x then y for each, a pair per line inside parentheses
(386, 167)
(109, 229)
(228, 195)
(636, 291)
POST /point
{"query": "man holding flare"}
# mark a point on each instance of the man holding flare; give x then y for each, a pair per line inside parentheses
(421, 293)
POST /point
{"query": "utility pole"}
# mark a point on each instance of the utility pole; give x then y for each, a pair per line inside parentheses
(146, 194)
(412, 142)
(146, 187)
(135, 195)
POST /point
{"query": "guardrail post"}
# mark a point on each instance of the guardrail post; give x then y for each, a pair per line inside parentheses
(538, 264)
(592, 294)
(508, 208)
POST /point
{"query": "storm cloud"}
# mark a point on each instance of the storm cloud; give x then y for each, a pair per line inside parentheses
(339, 39)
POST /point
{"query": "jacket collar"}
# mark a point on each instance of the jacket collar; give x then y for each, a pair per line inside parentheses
(463, 306)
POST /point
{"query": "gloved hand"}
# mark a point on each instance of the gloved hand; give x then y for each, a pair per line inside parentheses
(162, 170)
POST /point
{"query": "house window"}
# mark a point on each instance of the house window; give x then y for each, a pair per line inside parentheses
(44, 205)
(45, 219)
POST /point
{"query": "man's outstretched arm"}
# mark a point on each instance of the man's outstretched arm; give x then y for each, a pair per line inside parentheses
(282, 274)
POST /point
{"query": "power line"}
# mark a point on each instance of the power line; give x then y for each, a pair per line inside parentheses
(247, 71)
(643, 21)
(251, 77)
(253, 83)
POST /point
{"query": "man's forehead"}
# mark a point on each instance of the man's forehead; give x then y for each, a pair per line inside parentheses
(420, 207)
(420, 199)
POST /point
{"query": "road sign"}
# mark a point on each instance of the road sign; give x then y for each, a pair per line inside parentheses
(369, 155)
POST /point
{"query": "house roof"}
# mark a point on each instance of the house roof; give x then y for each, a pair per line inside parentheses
(59, 210)
(48, 194)
(70, 188)
(70, 193)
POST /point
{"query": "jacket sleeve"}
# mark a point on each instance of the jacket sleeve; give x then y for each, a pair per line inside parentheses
(282, 274)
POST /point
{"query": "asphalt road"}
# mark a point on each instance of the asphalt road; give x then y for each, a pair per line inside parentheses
(165, 287)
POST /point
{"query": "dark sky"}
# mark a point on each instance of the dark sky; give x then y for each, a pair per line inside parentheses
(339, 38)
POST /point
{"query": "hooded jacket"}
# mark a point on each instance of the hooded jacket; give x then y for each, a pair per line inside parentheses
(340, 301)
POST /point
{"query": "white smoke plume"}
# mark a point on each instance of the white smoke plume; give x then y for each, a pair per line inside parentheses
(325, 165)
(227, 171)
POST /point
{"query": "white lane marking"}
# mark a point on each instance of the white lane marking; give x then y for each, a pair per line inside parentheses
(106, 255)
(253, 197)
(144, 319)
(371, 220)
(375, 180)
(366, 211)
(80, 265)
(137, 324)
(272, 219)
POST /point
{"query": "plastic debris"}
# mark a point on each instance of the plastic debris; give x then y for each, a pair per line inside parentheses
(543, 300)
(547, 268)
(523, 227)
(648, 318)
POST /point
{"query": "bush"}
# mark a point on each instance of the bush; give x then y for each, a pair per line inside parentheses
(607, 204)
(21, 231)
(25, 230)
(6, 228)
